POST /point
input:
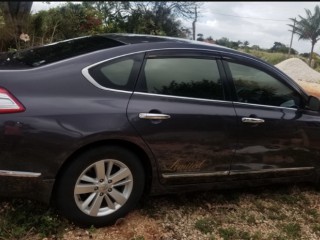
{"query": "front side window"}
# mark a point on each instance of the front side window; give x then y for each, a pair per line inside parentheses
(186, 77)
(255, 86)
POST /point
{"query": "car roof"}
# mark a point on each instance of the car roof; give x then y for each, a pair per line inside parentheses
(54, 52)
(131, 38)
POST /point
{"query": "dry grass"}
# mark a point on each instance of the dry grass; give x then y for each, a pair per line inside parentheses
(276, 212)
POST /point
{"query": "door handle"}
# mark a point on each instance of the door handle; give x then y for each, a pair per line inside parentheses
(154, 116)
(252, 120)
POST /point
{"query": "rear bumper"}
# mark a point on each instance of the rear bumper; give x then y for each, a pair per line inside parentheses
(14, 184)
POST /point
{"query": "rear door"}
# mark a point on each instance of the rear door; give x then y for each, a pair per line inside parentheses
(180, 108)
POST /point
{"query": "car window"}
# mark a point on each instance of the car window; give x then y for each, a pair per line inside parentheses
(186, 77)
(38, 56)
(255, 86)
(117, 74)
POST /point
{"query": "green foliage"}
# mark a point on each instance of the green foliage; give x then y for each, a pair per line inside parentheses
(138, 238)
(204, 225)
(72, 20)
(308, 28)
(282, 48)
(292, 230)
(200, 37)
(227, 43)
(246, 43)
(227, 233)
(272, 58)
(21, 218)
(158, 20)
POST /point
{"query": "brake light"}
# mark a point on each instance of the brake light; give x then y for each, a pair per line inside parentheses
(8, 103)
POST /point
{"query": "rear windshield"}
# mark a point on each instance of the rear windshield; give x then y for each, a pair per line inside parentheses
(34, 57)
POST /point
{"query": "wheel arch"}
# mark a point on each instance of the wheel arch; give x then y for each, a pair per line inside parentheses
(134, 148)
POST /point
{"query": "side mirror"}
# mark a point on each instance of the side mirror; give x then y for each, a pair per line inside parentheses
(313, 103)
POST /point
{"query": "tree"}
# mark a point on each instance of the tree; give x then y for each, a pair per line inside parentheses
(159, 21)
(246, 44)
(308, 28)
(15, 16)
(200, 37)
(255, 47)
(282, 48)
(223, 42)
(180, 9)
(112, 13)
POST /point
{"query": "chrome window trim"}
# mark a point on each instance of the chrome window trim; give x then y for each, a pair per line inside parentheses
(7, 173)
(181, 97)
(268, 106)
(85, 71)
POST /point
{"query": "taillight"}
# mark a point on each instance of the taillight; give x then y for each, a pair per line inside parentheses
(8, 103)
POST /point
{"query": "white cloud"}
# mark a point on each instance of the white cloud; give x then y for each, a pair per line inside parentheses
(260, 31)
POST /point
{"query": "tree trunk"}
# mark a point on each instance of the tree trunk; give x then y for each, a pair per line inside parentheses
(15, 14)
(54, 31)
(310, 58)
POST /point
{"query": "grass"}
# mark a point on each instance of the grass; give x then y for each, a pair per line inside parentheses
(21, 219)
(204, 225)
(272, 58)
(292, 230)
(285, 212)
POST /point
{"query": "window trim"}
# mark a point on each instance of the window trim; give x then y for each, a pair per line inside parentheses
(221, 53)
(181, 97)
(134, 73)
(86, 74)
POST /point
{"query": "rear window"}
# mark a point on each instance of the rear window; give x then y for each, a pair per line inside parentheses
(39, 56)
(119, 74)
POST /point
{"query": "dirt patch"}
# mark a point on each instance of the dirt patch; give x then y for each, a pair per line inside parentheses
(300, 72)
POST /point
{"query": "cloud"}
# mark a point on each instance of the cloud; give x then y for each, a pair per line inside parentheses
(257, 22)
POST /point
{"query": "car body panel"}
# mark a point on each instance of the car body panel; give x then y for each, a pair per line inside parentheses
(66, 113)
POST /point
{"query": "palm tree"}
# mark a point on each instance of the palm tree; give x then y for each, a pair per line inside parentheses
(308, 28)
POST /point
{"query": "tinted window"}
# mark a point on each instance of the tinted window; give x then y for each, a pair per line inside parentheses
(34, 57)
(187, 77)
(255, 86)
(118, 74)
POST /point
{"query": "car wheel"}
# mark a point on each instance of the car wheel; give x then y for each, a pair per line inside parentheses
(100, 186)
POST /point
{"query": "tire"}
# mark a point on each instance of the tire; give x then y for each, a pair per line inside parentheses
(88, 195)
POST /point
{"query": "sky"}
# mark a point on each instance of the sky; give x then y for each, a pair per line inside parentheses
(259, 23)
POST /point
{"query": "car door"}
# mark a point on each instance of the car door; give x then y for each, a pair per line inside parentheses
(277, 135)
(180, 108)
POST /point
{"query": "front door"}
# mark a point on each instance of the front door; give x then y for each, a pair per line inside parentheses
(274, 128)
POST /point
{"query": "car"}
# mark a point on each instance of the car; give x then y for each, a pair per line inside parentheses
(92, 124)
